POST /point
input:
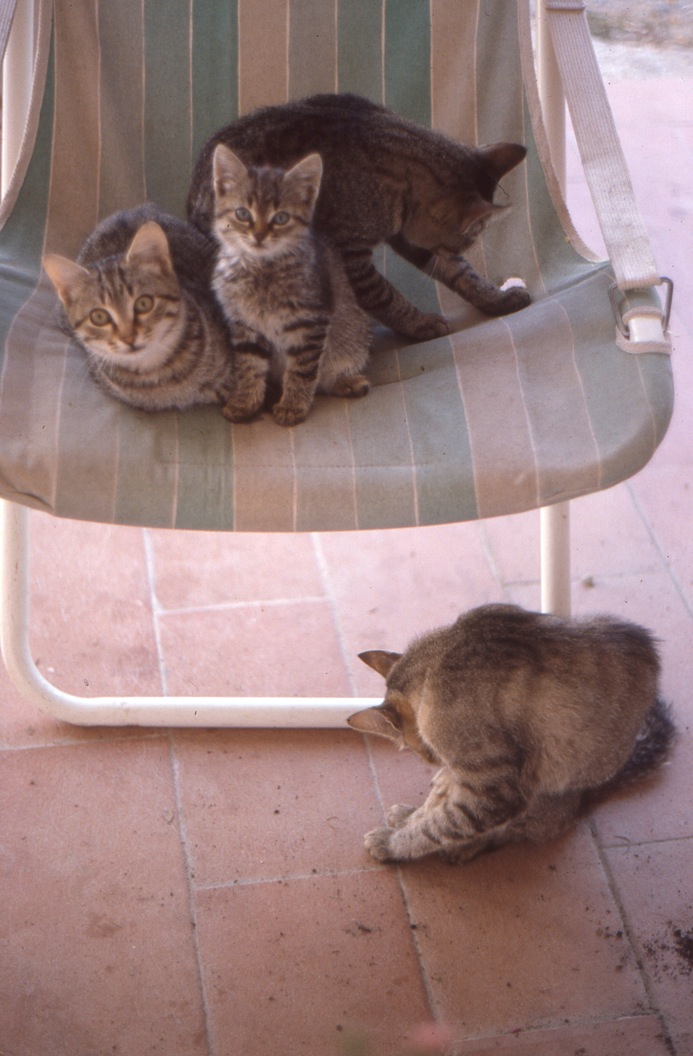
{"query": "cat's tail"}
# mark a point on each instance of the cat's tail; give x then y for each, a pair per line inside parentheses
(652, 748)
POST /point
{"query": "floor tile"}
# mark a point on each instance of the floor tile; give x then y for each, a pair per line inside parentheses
(264, 804)
(391, 586)
(654, 882)
(312, 962)
(288, 650)
(536, 927)
(98, 952)
(217, 568)
(92, 630)
(632, 1036)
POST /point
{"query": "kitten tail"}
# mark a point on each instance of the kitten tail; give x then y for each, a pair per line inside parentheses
(652, 748)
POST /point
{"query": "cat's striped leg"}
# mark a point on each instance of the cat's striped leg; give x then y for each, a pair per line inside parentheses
(459, 275)
(248, 384)
(380, 298)
(303, 349)
(458, 820)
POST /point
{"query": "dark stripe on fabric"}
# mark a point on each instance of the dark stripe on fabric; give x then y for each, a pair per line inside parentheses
(214, 69)
(167, 118)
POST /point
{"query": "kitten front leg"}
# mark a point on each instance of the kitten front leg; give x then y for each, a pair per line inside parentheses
(380, 298)
(248, 383)
(457, 820)
(458, 275)
(301, 375)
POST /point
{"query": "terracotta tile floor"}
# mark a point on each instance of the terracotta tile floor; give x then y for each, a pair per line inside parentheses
(206, 893)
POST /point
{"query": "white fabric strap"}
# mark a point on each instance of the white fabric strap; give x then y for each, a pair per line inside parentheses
(602, 157)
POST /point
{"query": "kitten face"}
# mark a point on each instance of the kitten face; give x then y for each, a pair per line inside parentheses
(449, 225)
(127, 310)
(396, 718)
(263, 213)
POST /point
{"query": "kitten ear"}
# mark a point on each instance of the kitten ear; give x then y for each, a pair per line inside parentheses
(380, 661)
(64, 274)
(228, 169)
(380, 721)
(499, 158)
(306, 175)
(150, 247)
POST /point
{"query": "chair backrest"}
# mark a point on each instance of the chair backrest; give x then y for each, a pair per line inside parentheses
(452, 430)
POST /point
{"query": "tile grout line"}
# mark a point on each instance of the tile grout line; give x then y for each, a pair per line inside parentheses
(656, 542)
(411, 923)
(183, 837)
(156, 608)
(630, 934)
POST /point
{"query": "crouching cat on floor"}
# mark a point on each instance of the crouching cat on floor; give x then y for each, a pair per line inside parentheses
(531, 717)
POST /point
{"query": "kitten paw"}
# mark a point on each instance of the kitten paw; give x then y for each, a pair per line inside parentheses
(511, 299)
(426, 327)
(289, 416)
(397, 815)
(377, 843)
(352, 385)
(239, 415)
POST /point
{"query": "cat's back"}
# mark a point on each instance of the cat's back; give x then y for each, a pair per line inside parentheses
(572, 692)
(362, 144)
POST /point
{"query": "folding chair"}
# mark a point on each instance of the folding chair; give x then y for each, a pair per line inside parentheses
(107, 104)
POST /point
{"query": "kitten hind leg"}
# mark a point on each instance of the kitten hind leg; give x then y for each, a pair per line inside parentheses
(380, 298)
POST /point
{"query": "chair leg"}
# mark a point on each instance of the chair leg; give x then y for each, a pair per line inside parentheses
(555, 559)
(273, 712)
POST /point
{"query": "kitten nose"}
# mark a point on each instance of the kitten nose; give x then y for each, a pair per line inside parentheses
(260, 233)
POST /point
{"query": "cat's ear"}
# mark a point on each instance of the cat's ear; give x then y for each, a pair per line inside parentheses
(499, 158)
(380, 660)
(65, 274)
(150, 247)
(381, 721)
(306, 176)
(228, 169)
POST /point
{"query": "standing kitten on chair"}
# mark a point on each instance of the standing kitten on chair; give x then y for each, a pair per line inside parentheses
(532, 718)
(284, 292)
(139, 302)
(386, 179)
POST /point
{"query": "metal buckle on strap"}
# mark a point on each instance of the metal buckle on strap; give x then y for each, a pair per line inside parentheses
(616, 306)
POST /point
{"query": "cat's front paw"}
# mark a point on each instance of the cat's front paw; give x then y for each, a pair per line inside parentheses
(352, 385)
(512, 297)
(426, 327)
(285, 414)
(397, 815)
(239, 414)
(378, 843)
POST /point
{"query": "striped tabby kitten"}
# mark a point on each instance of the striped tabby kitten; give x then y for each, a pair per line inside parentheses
(284, 292)
(385, 179)
(138, 300)
(531, 718)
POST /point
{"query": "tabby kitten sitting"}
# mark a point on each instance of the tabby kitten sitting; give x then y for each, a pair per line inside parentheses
(293, 313)
(138, 300)
(385, 179)
(531, 717)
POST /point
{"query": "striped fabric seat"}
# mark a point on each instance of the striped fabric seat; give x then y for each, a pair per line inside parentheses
(503, 416)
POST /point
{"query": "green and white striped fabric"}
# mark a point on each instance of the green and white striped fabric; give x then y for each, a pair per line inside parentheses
(503, 416)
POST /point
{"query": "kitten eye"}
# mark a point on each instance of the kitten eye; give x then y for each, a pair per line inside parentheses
(144, 304)
(280, 218)
(243, 214)
(100, 317)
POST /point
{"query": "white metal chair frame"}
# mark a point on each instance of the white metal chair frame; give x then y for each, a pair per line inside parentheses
(275, 712)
